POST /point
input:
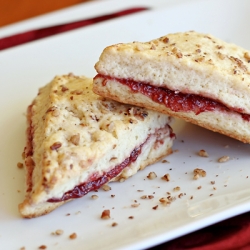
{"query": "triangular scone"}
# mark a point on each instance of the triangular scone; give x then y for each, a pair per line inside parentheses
(78, 141)
(189, 75)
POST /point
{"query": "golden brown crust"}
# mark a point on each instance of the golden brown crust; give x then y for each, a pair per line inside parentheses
(27, 212)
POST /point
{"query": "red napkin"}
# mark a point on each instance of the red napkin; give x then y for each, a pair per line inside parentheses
(33, 35)
(231, 234)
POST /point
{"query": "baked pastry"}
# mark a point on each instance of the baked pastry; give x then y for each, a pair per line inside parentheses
(189, 75)
(78, 141)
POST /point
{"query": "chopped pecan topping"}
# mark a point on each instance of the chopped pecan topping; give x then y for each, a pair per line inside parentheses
(105, 214)
(177, 188)
(73, 236)
(64, 88)
(151, 175)
(199, 172)
(239, 63)
(203, 153)
(75, 139)
(165, 39)
(55, 145)
(247, 56)
(166, 177)
(224, 158)
(20, 165)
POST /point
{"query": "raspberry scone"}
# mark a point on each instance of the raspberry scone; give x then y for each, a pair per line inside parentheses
(77, 141)
(189, 75)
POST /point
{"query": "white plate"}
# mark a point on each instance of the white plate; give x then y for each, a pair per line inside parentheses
(26, 68)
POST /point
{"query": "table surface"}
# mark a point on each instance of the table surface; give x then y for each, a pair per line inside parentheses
(14, 11)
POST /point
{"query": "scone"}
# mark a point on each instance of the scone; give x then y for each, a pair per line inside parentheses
(189, 75)
(78, 141)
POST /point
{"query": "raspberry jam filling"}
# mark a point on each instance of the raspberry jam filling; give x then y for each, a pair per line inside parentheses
(96, 182)
(174, 100)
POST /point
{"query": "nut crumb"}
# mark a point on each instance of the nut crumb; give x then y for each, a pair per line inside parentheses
(55, 145)
(177, 188)
(106, 187)
(165, 161)
(75, 139)
(180, 195)
(155, 207)
(212, 182)
(114, 224)
(179, 55)
(196, 176)
(131, 217)
(166, 177)
(224, 158)
(105, 214)
(22, 248)
(199, 187)
(165, 40)
(135, 205)
(151, 175)
(58, 232)
(20, 165)
(64, 88)
(73, 236)
(247, 56)
(43, 247)
(203, 153)
(166, 200)
(191, 197)
(199, 172)
(94, 196)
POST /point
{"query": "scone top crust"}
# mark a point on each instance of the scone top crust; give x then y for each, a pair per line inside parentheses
(189, 62)
(76, 133)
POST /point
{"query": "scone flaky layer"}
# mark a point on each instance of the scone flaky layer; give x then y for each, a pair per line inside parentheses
(186, 63)
(75, 136)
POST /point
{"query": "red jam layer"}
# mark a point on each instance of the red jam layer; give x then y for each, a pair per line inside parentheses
(96, 183)
(176, 101)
